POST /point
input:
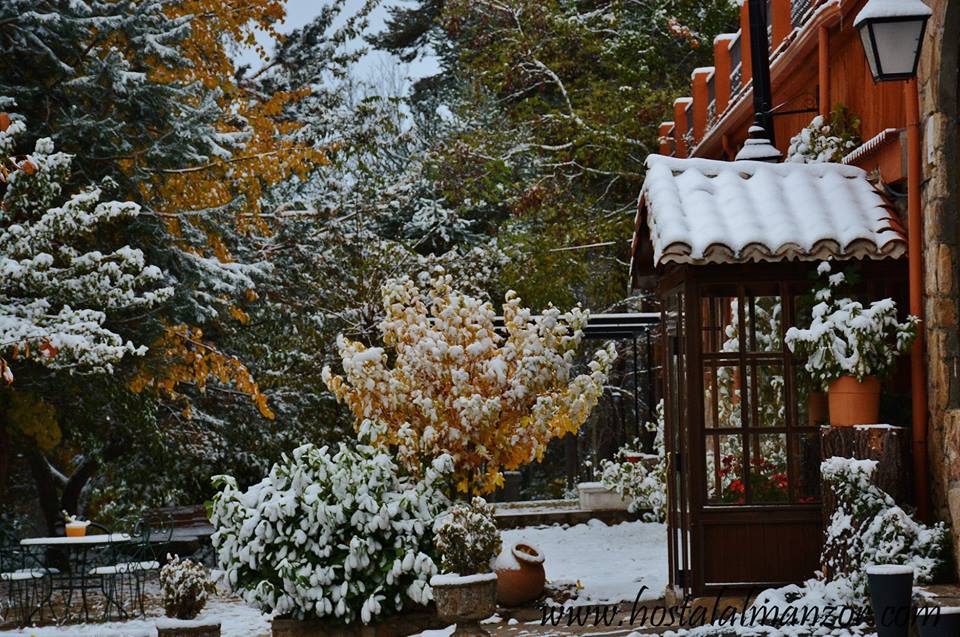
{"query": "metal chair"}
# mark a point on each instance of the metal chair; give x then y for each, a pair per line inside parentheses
(27, 584)
(125, 580)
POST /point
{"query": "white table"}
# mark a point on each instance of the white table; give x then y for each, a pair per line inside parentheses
(112, 538)
(75, 572)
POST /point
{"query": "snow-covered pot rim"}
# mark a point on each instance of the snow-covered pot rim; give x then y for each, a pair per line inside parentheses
(889, 569)
(531, 554)
(79, 524)
(453, 579)
(592, 487)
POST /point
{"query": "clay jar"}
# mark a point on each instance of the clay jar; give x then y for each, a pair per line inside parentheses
(520, 576)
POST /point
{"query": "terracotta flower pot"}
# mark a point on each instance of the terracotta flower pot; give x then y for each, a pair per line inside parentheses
(520, 576)
(817, 408)
(853, 402)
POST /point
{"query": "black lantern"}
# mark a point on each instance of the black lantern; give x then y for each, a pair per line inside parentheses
(892, 34)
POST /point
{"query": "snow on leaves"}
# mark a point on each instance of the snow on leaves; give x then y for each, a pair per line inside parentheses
(458, 387)
(55, 296)
(868, 527)
(338, 534)
(847, 339)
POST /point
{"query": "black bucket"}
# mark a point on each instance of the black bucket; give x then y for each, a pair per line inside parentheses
(891, 589)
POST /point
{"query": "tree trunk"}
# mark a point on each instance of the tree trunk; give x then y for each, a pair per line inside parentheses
(51, 501)
(46, 489)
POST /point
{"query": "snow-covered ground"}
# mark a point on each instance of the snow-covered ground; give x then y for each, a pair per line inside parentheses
(236, 619)
(611, 562)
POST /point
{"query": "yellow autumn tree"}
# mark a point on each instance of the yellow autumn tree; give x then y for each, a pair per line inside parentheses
(453, 384)
(265, 153)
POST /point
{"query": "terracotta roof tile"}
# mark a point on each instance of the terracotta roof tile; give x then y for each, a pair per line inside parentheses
(703, 211)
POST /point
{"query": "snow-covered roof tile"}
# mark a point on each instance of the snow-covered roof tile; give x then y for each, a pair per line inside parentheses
(703, 211)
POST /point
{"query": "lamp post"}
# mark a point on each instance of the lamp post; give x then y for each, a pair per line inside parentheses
(892, 35)
(760, 68)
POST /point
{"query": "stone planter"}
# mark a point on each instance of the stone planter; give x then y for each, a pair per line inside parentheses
(520, 576)
(170, 627)
(594, 496)
(465, 600)
(945, 623)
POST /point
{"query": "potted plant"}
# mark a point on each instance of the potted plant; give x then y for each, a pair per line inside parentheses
(186, 586)
(467, 540)
(848, 347)
(74, 525)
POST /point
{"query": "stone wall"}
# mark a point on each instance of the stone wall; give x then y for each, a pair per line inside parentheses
(938, 112)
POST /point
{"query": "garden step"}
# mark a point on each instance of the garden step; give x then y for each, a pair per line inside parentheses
(512, 515)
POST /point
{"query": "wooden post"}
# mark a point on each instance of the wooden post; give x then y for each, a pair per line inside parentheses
(745, 62)
(666, 129)
(781, 22)
(721, 78)
(700, 102)
(680, 125)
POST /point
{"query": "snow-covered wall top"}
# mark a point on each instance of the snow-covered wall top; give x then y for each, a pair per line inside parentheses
(706, 211)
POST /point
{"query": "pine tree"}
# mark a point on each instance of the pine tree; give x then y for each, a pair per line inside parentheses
(69, 284)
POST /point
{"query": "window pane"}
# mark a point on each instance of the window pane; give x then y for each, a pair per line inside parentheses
(808, 476)
(722, 397)
(720, 320)
(763, 318)
(768, 468)
(769, 395)
(724, 469)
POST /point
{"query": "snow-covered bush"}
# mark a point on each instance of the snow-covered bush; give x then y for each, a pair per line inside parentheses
(868, 527)
(823, 141)
(185, 585)
(644, 485)
(847, 339)
(456, 386)
(467, 538)
(342, 535)
(55, 292)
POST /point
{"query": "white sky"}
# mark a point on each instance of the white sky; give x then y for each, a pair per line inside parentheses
(375, 64)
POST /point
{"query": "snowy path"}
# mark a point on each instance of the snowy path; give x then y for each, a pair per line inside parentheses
(612, 562)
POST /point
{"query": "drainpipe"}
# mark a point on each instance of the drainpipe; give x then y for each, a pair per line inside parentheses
(918, 376)
(823, 47)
